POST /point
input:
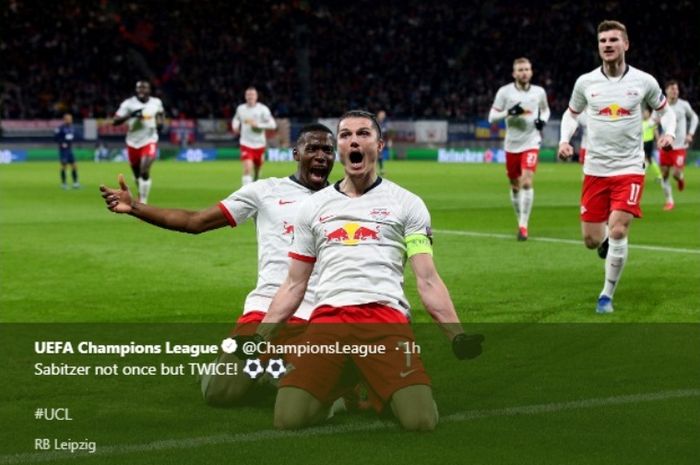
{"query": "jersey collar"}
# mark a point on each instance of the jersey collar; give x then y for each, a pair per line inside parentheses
(293, 178)
(374, 184)
(627, 70)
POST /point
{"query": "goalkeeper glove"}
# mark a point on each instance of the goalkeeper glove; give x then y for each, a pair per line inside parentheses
(467, 346)
(516, 110)
(539, 124)
(137, 113)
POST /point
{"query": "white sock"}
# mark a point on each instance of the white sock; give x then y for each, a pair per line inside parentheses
(144, 189)
(668, 191)
(515, 200)
(614, 263)
(527, 196)
(246, 179)
(337, 407)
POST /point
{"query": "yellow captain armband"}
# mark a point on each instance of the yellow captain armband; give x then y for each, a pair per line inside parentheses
(418, 243)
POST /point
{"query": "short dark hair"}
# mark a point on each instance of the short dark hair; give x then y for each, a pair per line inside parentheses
(363, 114)
(313, 127)
(671, 82)
(611, 25)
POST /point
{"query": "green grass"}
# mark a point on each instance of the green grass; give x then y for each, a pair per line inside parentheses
(65, 260)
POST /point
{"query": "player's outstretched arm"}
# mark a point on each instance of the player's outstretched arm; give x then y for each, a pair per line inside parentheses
(437, 302)
(434, 294)
(287, 299)
(193, 222)
(291, 292)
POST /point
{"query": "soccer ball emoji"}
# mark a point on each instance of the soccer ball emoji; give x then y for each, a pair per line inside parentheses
(253, 368)
(276, 367)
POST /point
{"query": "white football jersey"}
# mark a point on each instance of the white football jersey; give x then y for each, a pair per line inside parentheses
(358, 244)
(686, 122)
(583, 124)
(521, 133)
(614, 113)
(143, 130)
(273, 203)
(250, 137)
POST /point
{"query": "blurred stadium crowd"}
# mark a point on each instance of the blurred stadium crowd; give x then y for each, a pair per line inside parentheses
(416, 59)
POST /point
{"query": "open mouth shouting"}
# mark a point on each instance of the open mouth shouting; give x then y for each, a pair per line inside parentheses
(355, 159)
(319, 174)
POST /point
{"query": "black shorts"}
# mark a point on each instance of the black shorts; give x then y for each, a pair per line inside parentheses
(66, 157)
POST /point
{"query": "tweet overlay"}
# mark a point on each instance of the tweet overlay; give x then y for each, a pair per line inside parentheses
(192, 393)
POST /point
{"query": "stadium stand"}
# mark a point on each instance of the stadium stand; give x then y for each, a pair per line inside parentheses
(418, 59)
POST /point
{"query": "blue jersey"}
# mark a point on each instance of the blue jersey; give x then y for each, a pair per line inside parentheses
(64, 135)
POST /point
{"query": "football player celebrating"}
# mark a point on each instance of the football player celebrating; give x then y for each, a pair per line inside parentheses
(273, 204)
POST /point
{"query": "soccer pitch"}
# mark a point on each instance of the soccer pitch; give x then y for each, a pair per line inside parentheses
(557, 383)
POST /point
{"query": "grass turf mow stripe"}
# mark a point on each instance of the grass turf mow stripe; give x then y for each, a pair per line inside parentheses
(562, 241)
(266, 435)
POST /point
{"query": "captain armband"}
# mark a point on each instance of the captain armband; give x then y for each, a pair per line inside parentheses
(418, 243)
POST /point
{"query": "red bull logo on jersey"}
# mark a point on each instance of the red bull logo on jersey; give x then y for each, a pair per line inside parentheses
(614, 111)
(352, 234)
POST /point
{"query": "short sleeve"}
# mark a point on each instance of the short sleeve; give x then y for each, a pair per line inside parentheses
(499, 103)
(304, 245)
(578, 100)
(416, 217)
(236, 120)
(242, 204)
(123, 109)
(654, 96)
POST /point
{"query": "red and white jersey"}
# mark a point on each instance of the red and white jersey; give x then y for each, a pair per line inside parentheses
(614, 113)
(686, 122)
(142, 131)
(253, 137)
(358, 244)
(273, 203)
(521, 133)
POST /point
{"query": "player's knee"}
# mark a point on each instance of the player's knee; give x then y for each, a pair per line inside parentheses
(287, 419)
(618, 232)
(145, 175)
(223, 391)
(591, 242)
(425, 420)
(527, 184)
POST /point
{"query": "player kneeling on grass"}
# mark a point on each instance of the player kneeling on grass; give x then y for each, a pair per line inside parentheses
(273, 204)
(358, 234)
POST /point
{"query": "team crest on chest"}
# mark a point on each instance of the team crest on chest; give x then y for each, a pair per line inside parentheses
(379, 214)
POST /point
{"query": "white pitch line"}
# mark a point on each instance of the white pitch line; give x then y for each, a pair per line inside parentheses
(267, 435)
(561, 241)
